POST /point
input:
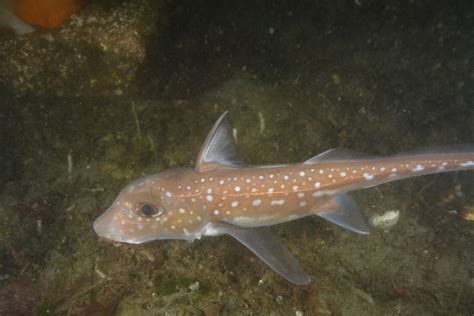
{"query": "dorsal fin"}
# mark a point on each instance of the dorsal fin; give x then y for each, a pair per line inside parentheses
(218, 149)
(338, 154)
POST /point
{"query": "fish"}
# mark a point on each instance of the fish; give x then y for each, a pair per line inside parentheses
(221, 195)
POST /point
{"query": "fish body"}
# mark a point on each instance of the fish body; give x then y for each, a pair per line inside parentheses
(222, 196)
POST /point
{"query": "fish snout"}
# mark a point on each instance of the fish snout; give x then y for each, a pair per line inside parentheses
(104, 225)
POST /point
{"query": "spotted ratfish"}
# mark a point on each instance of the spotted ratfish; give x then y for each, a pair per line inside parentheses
(223, 196)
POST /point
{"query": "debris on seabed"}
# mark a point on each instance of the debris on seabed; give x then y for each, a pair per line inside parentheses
(235, 134)
(69, 163)
(467, 213)
(194, 287)
(261, 120)
(384, 221)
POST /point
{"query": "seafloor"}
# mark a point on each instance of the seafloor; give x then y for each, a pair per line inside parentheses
(128, 88)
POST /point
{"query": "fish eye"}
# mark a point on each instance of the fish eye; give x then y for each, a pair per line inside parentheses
(148, 210)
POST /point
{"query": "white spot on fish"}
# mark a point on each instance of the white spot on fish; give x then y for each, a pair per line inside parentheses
(271, 190)
(278, 202)
(237, 189)
(216, 212)
(286, 177)
(382, 169)
(301, 173)
(469, 163)
(394, 170)
(418, 168)
(317, 185)
(257, 202)
(343, 174)
(368, 176)
(234, 204)
(209, 191)
(302, 204)
(295, 188)
(209, 198)
(325, 192)
(221, 182)
(168, 194)
(181, 210)
(301, 195)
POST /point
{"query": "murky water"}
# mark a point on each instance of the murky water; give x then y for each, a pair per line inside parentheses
(131, 88)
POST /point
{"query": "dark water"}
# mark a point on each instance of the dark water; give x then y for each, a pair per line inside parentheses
(130, 88)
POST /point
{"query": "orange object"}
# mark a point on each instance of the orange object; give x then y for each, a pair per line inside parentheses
(46, 13)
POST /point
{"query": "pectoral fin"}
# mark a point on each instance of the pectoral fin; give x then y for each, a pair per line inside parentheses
(269, 249)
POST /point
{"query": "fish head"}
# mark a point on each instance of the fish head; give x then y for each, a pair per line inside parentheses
(148, 209)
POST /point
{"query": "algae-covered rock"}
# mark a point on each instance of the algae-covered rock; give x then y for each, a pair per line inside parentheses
(96, 53)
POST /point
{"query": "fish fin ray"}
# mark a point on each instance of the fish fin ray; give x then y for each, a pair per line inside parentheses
(269, 249)
(337, 154)
(343, 210)
(218, 150)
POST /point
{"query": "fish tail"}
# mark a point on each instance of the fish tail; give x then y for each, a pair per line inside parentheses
(409, 165)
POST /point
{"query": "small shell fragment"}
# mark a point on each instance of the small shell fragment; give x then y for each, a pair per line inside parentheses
(384, 221)
(467, 213)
